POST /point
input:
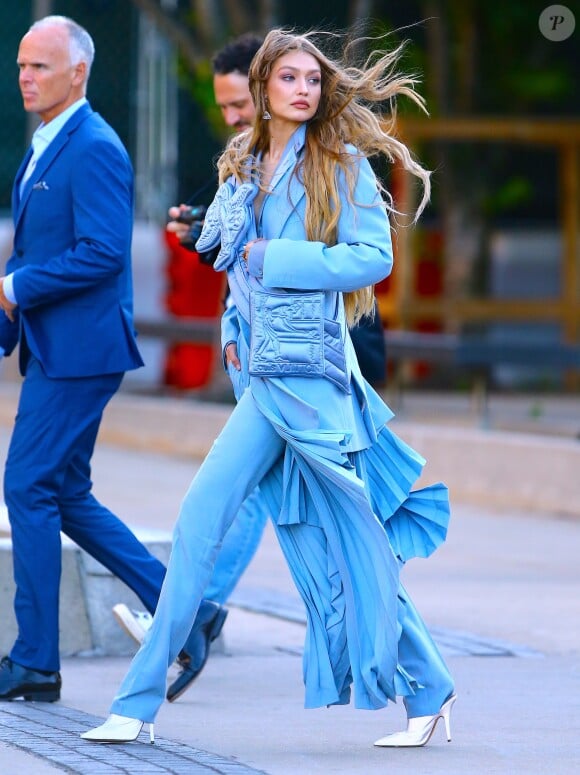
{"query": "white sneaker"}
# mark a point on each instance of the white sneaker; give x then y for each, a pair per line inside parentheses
(135, 623)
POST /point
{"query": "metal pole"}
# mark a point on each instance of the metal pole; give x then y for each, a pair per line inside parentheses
(39, 9)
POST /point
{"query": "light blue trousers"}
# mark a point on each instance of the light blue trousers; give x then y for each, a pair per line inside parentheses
(239, 546)
(245, 451)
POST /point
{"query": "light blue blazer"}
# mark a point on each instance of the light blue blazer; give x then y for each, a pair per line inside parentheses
(362, 256)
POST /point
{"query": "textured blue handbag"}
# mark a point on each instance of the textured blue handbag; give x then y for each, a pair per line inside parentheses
(290, 336)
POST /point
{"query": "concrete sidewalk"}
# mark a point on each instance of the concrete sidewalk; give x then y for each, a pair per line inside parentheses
(502, 597)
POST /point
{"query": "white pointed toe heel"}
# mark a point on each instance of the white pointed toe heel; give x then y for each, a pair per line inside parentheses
(117, 729)
(420, 729)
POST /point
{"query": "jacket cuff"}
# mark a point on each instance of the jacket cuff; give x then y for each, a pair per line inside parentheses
(256, 258)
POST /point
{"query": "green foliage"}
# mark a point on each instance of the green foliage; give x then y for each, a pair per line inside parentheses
(511, 194)
(198, 84)
(515, 68)
(542, 88)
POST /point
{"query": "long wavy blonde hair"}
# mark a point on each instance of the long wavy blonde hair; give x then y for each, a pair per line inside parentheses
(350, 111)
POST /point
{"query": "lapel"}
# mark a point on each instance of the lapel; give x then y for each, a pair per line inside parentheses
(46, 160)
(18, 178)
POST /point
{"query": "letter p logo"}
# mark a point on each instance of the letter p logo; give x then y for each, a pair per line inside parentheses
(556, 23)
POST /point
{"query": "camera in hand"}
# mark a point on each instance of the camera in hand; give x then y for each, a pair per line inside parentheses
(193, 217)
(194, 213)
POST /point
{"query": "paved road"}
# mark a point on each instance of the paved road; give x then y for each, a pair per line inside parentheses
(502, 597)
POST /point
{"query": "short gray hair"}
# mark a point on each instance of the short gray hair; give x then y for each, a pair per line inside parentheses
(81, 46)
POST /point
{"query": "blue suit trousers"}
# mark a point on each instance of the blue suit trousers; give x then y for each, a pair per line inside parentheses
(47, 488)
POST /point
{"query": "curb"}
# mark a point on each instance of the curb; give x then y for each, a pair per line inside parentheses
(492, 468)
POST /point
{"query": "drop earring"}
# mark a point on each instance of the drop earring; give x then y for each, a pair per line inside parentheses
(266, 114)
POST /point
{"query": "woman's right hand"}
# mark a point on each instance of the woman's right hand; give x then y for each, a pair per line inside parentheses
(231, 353)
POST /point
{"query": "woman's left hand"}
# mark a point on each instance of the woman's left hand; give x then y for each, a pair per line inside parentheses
(248, 246)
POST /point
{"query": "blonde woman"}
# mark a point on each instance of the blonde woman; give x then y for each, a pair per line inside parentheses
(305, 234)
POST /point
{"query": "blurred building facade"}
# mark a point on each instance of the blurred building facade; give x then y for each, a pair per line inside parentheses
(521, 280)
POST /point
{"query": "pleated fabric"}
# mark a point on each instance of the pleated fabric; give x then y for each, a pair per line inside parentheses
(346, 520)
(345, 523)
(415, 521)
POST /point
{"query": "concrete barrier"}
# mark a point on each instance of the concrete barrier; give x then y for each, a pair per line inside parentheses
(499, 469)
(88, 591)
(503, 469)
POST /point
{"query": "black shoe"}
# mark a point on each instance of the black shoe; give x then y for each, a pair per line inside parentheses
(18, 681)
(192, 658)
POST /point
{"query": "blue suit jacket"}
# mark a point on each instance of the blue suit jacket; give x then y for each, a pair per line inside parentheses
(72, 254)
